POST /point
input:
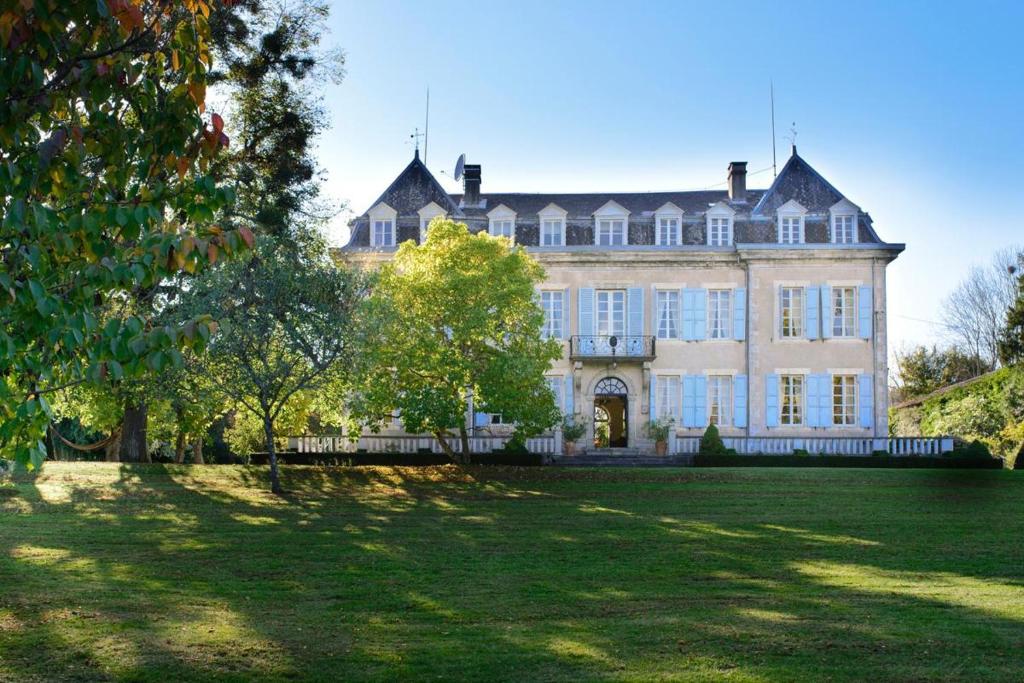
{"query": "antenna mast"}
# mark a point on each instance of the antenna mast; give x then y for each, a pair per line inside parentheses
(426, 128)
(775, 172)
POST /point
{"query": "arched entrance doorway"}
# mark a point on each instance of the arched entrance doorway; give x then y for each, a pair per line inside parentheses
(611, 408)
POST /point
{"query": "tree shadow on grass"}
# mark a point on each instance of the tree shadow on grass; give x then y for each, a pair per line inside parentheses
(171, 572)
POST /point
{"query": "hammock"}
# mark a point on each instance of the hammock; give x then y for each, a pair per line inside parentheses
(91, 447)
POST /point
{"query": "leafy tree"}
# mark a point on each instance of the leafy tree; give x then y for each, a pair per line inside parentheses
(922, 370)
(287, 326)
(104, 160)
(454, 315)
(1011, 341)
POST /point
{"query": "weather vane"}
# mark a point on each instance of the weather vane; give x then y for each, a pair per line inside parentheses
(416, 135)
(792, 136)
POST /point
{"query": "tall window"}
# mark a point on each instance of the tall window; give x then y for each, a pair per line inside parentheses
(668, 396)
(720, 399)
(669, 232)
(553, 304)
(551, 232)
(555, 385)
(791, 311)
(719, 314)
(503, 228)
(668, 314)
(791, 406)
(611, 312)
(383, 233)
(719, 231)
(844, 310)
(610, 232)
(844, 229)
(844, 398)
(791, 230)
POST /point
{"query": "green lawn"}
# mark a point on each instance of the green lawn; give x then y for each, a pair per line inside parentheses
(170, 573)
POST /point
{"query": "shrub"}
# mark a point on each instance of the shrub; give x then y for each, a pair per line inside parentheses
(801, 452)
(970, 449)
(574, 427)
(711, 443)
(659, 429)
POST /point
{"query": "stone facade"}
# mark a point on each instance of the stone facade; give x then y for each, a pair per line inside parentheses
(689, 368)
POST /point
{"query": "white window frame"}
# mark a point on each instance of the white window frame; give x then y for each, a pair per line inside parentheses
(427, 214)
(553, 323)
(720, 400)
(670, 214)
(667, 394)
(718, 212)
(720, 327)
(794, 213)
(844, 210)
(383, 213)
(796, 328)
(675, 318)
(844, 400)
(611, 305)
(612, 212)
(501, 214)
(843, 307)
(792, 400)
(553, 213)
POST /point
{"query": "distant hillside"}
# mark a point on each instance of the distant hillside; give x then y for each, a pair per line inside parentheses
(989, 409)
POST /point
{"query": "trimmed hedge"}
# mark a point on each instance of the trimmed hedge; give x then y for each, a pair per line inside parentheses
(422, 459)
(896, 462)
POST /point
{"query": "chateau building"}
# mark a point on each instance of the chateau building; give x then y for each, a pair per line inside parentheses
(760, 310)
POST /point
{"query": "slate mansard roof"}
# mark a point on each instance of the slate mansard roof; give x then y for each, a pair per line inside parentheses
(754, 221)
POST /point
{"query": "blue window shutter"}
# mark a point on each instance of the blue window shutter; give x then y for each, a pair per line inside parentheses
(585, 306)
(653, 412)
(569, 410)
(481, 419)
(702, 401)
(811, 305)
(700, 313)
(739, 313)
(688, 315)
(826, 311)
(866, 307)
(739, 400)
(771, 402)
(867, 401)
(565, 314)
(635, 313)
(825, 385)
(689, 401)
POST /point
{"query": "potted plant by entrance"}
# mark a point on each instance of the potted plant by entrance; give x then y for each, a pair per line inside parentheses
(573, 429)
(659, 430)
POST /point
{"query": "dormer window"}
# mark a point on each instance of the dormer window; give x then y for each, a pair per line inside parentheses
(382, 225)
(791, 222)
(719, 225)
(552, 226)
(427, 214)
(844, 222)
(668, 226)
(610, 225)
(502, 222)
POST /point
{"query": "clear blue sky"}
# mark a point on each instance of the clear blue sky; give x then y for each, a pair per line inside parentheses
(914, 111)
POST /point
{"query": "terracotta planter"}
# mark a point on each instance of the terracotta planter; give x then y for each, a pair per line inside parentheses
(661, 447)
(569, 447)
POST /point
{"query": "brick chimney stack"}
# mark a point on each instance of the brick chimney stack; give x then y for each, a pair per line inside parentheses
(471, 183)
(737, 181)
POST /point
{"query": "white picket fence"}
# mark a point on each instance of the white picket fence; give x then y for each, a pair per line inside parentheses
(784, 445)
(415, 443)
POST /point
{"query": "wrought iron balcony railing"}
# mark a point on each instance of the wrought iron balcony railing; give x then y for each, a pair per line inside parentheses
(612, 347)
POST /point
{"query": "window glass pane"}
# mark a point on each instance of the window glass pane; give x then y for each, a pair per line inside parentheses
(791, 399)
(844, 397)
(667, 396)
(792, 311)
(720, 399)
(668, 314)
(552, 302)
(719, 317)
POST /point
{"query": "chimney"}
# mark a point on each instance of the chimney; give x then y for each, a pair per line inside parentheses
(737, 181)
(471, 181)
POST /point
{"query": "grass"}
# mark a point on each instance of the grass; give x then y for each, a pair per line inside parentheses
(175, 573)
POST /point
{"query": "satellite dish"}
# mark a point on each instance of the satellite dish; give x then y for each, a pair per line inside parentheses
(460, 166)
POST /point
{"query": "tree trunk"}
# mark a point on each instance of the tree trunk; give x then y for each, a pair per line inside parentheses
(113, 449)
(268, 433)
(464, 437)
(133, 433)
(197, 452)
(179, 448)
